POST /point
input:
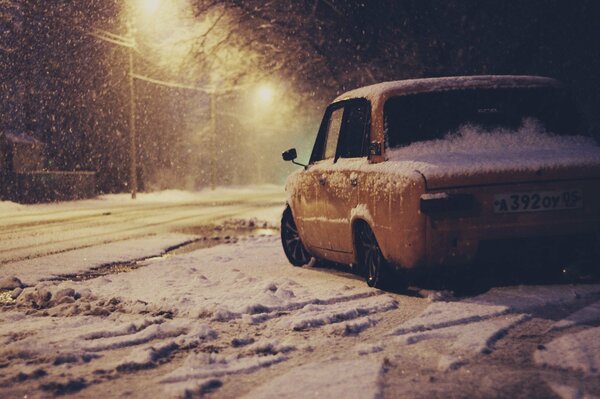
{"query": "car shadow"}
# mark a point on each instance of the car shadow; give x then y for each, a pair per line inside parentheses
(477, 278)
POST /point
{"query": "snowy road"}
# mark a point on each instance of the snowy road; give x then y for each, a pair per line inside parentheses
(37, 231)
(236, 320)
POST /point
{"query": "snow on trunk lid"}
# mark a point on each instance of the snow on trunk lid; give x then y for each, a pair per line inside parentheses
(473, 156)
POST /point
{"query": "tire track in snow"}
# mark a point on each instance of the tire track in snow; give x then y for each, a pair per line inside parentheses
(55, 243)
(316, 315)
(474, 326)
(353, 379)
(257, 313)
(587, 315)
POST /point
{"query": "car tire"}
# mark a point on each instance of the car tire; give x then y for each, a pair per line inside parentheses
(292, 244)
(371, 263)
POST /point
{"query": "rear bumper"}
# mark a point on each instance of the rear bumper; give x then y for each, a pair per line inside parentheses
(451, 246)
(538, 251)
(456, 238)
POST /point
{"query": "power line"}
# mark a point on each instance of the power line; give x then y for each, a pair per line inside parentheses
(175, 85)
(123, 43)
(111, 34)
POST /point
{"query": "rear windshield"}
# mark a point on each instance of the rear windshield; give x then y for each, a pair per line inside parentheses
(428, 116)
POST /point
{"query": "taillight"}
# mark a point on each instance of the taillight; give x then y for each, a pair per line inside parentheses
(445, 202)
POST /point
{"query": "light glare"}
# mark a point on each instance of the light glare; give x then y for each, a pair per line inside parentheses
(150, 6)
(265, 93)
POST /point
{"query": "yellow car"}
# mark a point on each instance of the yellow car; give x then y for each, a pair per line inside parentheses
(440, 171)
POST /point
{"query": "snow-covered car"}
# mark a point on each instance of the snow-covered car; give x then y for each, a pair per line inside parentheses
(440, 171)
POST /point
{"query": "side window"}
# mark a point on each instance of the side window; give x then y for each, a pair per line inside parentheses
(344, 131)
(355, 131)
(333, 133)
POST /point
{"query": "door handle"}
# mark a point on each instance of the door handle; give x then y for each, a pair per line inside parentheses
(354, 181)
(322, 180)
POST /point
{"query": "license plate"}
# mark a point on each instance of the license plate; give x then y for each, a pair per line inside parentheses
(537, 201)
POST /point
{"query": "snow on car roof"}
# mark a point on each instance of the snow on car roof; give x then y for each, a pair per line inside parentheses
(414, 86)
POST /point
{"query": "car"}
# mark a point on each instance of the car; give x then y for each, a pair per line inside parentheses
(438, 172)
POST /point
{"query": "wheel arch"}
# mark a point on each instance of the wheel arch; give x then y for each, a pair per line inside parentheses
(292, 243)
(357, 223)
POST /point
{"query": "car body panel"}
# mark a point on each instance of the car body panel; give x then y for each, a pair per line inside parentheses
(454, 238)
(332, 195)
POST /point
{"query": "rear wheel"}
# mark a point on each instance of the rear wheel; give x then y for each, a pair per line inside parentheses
(371, 263)
(290, 240)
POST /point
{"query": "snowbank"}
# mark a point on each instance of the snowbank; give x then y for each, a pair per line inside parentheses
(218, 194)
(7, 206)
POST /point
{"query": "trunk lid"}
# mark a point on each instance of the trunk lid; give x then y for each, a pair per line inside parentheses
(508, 175)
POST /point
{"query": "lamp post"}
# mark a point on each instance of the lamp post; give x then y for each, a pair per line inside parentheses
(149, 7)
(145, 11)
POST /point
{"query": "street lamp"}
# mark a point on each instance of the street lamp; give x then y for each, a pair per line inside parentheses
(265, 93)
(149, 7)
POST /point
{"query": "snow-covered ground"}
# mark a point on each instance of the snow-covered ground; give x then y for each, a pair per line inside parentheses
(204, 319)
(34, 231)
(236, 320)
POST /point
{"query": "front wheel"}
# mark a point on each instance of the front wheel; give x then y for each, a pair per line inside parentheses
(290, 240)
(371, 263)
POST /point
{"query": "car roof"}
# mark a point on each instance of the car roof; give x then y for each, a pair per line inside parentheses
(427, 85)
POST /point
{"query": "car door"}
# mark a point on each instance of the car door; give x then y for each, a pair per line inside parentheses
(343, 177)
(312, 199)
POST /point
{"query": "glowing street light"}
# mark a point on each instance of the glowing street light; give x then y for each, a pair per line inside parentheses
(136, 10)
(265, 93)
(149, 7)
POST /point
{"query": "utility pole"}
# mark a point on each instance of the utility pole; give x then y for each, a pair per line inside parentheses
(213, 137)
(129, 43)
(132, 111)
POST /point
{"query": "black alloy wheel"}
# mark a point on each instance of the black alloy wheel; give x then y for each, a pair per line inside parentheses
(290, 239)
(371, 263)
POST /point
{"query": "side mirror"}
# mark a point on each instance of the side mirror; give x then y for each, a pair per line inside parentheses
(289, 155)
